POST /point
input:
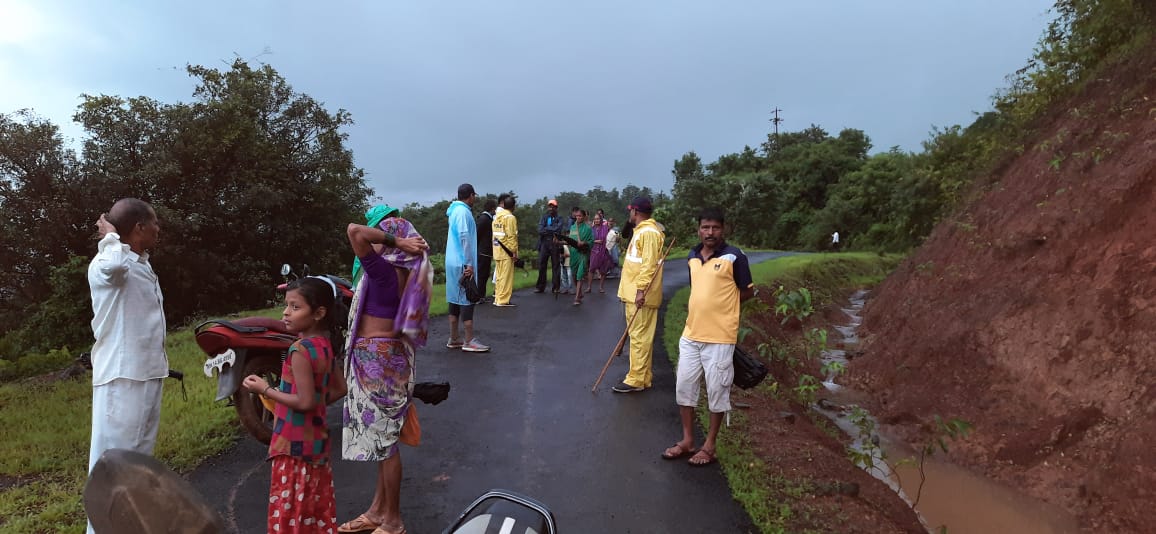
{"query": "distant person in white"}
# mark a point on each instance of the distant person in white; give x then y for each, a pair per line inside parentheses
(612, 238)
(128, 359)
(835, 240)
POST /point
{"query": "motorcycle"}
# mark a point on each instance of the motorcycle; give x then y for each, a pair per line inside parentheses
(252, 346)
(133, 493)
(500, 510)
(258, 346)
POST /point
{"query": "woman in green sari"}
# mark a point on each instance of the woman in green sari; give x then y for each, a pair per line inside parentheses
(583, 235)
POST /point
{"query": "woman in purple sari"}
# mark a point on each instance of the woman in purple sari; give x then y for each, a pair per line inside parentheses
(389, 320)
(600, 260)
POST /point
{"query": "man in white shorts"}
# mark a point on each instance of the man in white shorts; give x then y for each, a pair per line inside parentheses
(720, 279)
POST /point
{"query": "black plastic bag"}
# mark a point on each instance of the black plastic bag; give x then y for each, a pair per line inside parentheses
(749, 372)
(473, 292)
(431, 392)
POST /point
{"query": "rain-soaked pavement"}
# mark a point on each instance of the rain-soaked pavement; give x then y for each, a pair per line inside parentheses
(522, 418)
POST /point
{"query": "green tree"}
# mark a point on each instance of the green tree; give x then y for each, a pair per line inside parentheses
(247, 176)
(864, 205)
(250, 175)
(687, 169)
(40, 225)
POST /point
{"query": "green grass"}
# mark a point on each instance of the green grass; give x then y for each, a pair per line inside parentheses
(47, 438)
(826, 275)
(678, 253)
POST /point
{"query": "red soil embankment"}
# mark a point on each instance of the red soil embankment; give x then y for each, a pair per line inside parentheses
(1032, 313)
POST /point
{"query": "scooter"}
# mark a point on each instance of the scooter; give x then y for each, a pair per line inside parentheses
(252, 346)
(133, 493)
(257, 346)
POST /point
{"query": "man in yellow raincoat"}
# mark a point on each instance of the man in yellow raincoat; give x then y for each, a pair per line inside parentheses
(505, 227)
(641, 290)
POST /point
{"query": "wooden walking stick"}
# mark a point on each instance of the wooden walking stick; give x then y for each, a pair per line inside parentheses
(622, 340)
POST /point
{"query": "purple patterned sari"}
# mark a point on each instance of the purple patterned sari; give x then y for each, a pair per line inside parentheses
(600, 260)
(380, 371)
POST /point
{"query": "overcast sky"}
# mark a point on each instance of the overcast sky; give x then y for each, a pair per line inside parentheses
(541, 96)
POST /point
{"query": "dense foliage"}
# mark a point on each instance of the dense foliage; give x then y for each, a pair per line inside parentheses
(247, 176)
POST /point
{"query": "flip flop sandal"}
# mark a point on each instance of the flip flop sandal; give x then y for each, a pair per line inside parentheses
(382, 530)
(681, 452)
(710, 458)
(359, 524)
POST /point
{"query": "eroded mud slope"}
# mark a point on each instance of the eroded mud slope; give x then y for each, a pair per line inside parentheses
(1032, 313)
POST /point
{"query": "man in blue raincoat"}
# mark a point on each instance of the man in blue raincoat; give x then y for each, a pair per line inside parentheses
(461, 260)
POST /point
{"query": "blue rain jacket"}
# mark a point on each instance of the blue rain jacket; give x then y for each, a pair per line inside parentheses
(461, 250)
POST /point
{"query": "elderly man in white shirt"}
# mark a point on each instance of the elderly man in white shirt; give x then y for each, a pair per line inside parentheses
(129, 363)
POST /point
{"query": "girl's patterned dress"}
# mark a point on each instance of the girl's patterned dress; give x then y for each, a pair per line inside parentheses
(301, 496)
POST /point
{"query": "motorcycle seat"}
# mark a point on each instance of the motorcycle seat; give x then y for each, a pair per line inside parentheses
(341, 282)
(252, 325)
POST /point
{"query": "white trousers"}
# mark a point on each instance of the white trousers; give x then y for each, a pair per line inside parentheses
(567, 282)
(712, 361)
(125, 415)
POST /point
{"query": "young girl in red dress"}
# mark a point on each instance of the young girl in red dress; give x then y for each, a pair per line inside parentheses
(301, 489)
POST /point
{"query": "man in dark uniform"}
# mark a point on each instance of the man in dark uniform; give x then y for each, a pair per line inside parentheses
(550, 226)
(485, 222)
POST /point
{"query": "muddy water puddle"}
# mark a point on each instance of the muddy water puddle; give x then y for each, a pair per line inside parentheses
(951, 496)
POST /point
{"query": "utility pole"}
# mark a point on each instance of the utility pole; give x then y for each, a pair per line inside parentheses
(776, 120)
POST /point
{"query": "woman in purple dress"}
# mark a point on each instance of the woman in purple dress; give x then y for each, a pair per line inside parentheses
(600, 260)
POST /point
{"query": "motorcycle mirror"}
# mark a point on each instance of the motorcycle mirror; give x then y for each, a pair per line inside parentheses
(285, 270)
(304, 269)
(505, 510)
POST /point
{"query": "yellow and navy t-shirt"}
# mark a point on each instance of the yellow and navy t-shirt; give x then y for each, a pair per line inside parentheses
(715, 284)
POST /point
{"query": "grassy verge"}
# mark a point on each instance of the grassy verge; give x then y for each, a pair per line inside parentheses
(826, 275)
(43, 468)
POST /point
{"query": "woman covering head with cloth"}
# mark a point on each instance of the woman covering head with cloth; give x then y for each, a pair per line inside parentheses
(388, 319)
(600, 261)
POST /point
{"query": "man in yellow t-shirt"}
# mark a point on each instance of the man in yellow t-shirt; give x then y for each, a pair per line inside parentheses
(505, 228)
(641, 290)
(720, 279)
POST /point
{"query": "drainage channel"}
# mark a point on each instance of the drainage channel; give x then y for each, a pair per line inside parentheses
(951, 496)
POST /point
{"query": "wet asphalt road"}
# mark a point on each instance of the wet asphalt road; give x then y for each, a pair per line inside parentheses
(522, 418)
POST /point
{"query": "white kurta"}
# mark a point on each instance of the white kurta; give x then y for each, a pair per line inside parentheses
(129, 362)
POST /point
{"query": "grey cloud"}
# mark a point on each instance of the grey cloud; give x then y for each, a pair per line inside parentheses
(542, 97)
